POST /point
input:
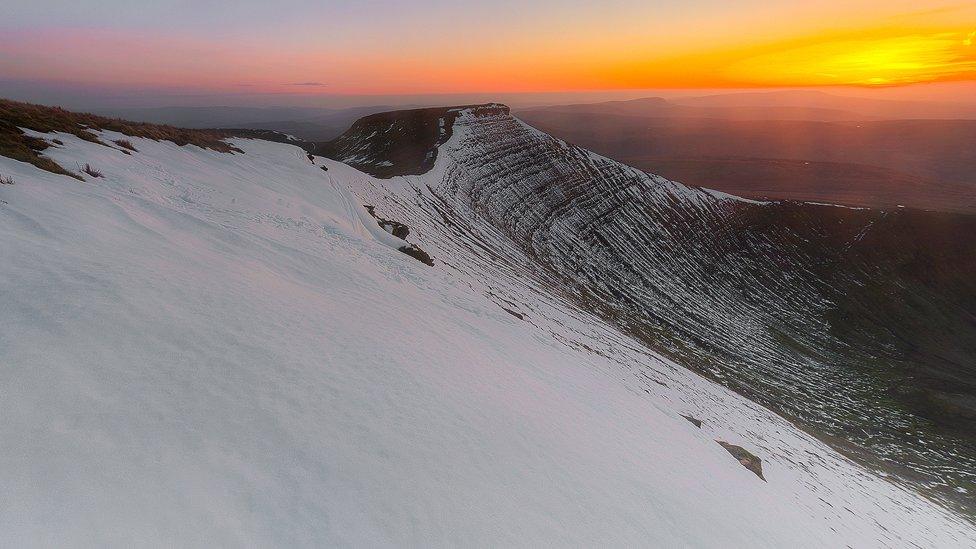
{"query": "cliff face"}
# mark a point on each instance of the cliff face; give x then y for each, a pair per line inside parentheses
(400, 142)
(857, 323)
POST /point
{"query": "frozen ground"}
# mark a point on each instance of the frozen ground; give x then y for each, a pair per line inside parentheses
(206, 349)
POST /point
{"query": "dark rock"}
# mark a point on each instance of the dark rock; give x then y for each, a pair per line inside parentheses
(746, 458)
(519, 316)
(395, 228)
(418, 254)
(404, 142)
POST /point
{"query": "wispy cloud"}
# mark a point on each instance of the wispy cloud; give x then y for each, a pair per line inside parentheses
(313, 84)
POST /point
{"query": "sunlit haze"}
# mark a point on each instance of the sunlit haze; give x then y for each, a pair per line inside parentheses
(305, 48)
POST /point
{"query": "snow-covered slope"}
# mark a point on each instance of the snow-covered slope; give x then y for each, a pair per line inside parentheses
(210, 349)
(857, 324)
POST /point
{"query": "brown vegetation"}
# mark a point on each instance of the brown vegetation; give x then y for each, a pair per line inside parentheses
(15, 144)
(126, 144)
(92, 171)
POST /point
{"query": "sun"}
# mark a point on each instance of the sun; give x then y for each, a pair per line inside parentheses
(871, 61)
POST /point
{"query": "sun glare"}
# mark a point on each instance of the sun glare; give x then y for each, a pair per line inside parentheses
(877, 61)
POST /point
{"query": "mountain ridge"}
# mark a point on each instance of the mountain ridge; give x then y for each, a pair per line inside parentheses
(788, 302)
(239, 327)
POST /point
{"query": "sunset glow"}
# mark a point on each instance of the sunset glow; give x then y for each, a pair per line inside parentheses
(433, 47)
(872, 61)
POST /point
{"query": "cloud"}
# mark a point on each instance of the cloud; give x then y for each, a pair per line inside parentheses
(313, 84)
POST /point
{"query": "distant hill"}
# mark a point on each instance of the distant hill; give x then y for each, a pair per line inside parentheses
(657, 107)
(924, 163)
(811, 99)
(308, 123)
(826, 182)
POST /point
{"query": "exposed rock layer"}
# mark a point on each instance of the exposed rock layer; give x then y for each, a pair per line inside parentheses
(857, 323)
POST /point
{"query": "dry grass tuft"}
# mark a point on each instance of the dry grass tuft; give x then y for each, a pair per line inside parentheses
(15, 144)
(6, 180)
(126, 144)
(92, 171)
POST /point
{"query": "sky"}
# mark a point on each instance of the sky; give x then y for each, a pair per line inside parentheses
(403, 48)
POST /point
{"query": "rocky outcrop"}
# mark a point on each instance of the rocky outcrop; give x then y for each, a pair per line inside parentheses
(746, 458)
(400, 142)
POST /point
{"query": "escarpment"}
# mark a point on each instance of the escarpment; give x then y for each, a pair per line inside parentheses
(855, 322)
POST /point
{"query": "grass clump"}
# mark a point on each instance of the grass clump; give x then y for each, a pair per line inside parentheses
(126, 144)
(14, 143)
(92, 171)
(6, 180)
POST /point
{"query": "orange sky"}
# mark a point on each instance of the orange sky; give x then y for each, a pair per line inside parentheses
(377, 47)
